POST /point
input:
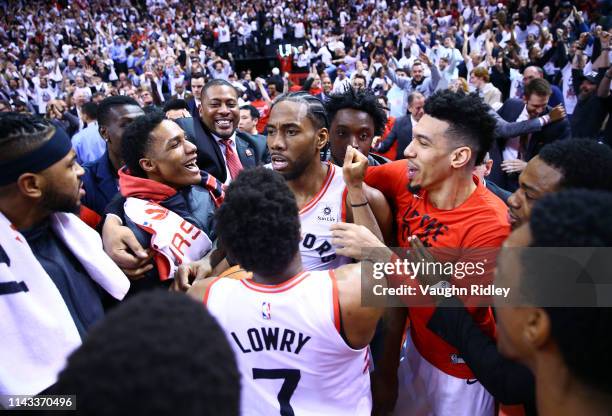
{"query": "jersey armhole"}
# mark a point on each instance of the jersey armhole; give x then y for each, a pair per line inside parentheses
(336, 303)
(207, 291)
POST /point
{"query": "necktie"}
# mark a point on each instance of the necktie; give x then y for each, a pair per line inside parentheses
(231, 159)
(523, 145)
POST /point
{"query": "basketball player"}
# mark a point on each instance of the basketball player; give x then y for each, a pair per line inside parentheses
(438, 200)
(297, 131)
(300, 337)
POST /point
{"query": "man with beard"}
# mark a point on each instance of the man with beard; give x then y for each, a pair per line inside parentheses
(418, 82)
(222, 150)
(439, 202)
(297, 131)
(54, 272)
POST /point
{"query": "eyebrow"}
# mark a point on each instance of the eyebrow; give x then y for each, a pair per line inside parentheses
(528, 187)
(176, 138)
(285, 125)
(422, 137)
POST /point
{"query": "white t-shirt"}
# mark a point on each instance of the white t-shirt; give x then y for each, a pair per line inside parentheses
(224, 34)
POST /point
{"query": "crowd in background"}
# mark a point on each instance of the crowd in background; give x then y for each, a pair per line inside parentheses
(57, 56)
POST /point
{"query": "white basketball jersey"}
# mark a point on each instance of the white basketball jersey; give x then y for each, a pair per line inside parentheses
(290, 354)
(326, 208)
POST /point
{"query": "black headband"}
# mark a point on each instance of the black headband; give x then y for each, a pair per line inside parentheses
(52, 151)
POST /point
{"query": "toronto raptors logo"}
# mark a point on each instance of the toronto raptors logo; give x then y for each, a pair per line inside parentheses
(157, 212)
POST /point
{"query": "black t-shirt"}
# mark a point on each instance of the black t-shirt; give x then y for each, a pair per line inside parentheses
(80, 293)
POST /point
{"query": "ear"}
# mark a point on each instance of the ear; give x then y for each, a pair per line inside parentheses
(103, 132)
(148, 165)
(322, 138)
(536, 331)
(31, 185)
(460, 157)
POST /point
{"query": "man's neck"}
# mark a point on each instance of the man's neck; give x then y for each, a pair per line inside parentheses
(21, 214)
(560, 394)
(309, 183)
(254, 131)
(292, 270)
(116, 162)
(453, 192)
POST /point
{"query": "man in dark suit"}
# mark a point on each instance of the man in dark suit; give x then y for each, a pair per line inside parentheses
(196, 84)
(510, 155)
(222, 150)
(402, 129)
(482, 171)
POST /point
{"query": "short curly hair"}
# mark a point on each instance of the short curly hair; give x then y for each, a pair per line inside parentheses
(361, 100)
(258, 223)
(157, 353)
(470, 123)
(137, 139)
(576, 218)
(584, 163)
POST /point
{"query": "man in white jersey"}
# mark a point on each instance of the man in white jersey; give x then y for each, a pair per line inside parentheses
(300, 337)
(297, 132)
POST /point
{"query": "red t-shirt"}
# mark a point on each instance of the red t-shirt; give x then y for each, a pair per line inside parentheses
(481, 221)
(264, 114)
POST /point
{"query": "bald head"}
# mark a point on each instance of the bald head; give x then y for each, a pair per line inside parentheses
(531, 73)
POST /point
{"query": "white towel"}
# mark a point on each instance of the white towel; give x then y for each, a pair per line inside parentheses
(36, 330)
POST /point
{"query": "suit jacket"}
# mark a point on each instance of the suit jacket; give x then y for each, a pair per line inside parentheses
(499, 192)
(402, 132)
(193, 108)
(510, 111)
(100, 183)
(252, 152)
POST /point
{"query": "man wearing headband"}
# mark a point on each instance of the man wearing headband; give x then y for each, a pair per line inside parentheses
(53, 270)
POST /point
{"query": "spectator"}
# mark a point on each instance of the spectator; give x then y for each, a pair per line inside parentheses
(511, 156)
(480, 81)
(88, 144)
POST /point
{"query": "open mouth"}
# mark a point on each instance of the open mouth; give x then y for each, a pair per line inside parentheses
(279, 162)
(412, 171)
(192, 166)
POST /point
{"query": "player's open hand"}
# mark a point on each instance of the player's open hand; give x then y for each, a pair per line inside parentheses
(513, 166)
